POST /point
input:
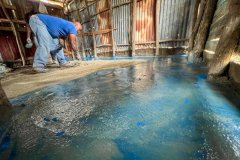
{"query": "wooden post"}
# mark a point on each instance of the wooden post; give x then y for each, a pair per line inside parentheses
(82, 46)
(92, 30)
(158, 3)
(134, 16)
(18, 34)
(14, 32)
(111, 26)
(228, 43)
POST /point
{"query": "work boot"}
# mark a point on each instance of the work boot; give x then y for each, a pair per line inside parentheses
(67, 65)
(39, 70)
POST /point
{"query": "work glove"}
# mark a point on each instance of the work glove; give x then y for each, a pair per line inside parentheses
(29, 43)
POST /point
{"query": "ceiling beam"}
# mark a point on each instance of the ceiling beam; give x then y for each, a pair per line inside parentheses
(49, 3)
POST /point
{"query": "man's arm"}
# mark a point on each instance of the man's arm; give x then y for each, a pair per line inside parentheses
(73, 42)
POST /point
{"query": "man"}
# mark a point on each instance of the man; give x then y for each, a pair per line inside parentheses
(48, 30)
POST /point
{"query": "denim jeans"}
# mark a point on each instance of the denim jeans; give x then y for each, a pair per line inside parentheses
(45, 44)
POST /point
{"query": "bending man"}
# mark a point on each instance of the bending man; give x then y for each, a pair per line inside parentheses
(48, 30)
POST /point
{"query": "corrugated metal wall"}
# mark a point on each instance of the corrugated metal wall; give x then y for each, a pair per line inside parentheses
(122, 23)
(217, 26)
(145, 24)
(175, 23)
(8, 47)
(104, 41)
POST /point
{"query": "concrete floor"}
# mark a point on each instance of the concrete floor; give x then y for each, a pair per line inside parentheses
(23, 80)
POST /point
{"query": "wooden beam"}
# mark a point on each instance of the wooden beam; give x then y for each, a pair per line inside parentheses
(158, 3)
(49, 3)
(92, 30)
(14, 32)
(134, 12)
(104, 31)
(9, 6)
(10, 29)
(104, 10)
(152, 42)
(172, 40)
(3, 20)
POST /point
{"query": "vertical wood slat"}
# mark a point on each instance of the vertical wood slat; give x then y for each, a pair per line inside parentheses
(111, 26)
(134, 12)
(157, 26)
(14, 32)
(92, 30)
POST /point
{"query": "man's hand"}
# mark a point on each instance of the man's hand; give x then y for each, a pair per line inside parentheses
(29, 43)
(73, 42)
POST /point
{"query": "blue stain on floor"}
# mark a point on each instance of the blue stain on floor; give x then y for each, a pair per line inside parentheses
(55, 119)
(5, 142)
(128, 150)
(60, 133)
(201, 76)
(186, 101)
(46, 119)
(200, 154)
(13, 154)
(140, 123)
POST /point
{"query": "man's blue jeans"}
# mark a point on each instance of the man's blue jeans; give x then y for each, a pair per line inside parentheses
(45, 44)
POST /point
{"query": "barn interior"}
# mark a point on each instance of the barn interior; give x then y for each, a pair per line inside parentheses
(150, 79)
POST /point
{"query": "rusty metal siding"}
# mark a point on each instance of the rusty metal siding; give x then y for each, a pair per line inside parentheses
(121, 22)
(175, 18)
(100, 17)
(8, 47)
(175, 22)
(103, 21)
(219, 21)
(145, 24)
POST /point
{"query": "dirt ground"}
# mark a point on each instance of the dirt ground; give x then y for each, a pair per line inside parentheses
(23, 80)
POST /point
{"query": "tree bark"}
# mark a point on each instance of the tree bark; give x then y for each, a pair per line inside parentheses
(228, 43)
(197, 17)
(203, 31)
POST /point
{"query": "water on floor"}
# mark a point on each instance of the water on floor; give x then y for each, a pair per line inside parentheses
(164, 110)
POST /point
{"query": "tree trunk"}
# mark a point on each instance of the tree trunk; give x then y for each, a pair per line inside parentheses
(228, 43)
(203, 31)
(197, 18)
